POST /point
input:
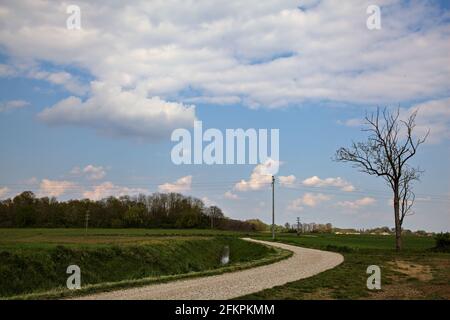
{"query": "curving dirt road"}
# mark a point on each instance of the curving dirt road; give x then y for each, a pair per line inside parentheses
(304, 263)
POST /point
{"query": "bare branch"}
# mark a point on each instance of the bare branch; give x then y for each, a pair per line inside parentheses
(386, 154)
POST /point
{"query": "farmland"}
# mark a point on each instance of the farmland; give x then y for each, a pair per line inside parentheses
(35, 260)
(415, 273)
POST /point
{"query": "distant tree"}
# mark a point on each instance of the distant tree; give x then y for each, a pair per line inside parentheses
(134, 217)
(25, 209)
(214, 213)
(143, 211)
(258, 225)
(386, 154)
(421, 233)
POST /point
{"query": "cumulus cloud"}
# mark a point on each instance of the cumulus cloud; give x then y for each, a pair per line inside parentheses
(309, 200)
(338, 182)
(259, 54)
(3, 192)
(181, 185)
(90, 171)
(432, 116)
(353, 205)
(55, 188)
(260, 177)
(108, 189)
(114, 111)
(62, 78)
(208, 202)
(287, 181)
(230, 195)
(13, 105)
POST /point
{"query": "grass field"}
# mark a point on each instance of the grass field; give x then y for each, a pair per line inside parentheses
(47, 237)
(35, 260)
(415, 273)
(354, 242)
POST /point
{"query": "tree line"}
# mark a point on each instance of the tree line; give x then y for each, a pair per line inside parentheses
(157, 210)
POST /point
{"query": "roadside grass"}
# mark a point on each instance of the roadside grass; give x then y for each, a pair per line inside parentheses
(415, 273)
(63, 293)
(38, 269)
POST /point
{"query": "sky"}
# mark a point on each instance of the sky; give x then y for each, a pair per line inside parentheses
(89, 112)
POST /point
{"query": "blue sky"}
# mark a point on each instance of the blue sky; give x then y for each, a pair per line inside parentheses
(89, 112)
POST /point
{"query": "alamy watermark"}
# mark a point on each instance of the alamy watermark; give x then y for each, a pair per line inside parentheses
(73, 22)
(74, 280)
(373, 22)
(237, 146)
(374, 280)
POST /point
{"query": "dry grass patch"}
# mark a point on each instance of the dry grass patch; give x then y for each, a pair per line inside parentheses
(319, 294)
(413, 270)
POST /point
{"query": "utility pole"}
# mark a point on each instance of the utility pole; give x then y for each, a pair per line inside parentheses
(298, 225)
(273, 207)
(86, 221)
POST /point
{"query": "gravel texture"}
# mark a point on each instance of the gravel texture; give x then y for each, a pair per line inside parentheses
(304, 263)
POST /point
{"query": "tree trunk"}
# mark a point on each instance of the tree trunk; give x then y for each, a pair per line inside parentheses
(398, 227)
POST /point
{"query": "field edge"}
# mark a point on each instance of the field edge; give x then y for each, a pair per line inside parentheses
(62, 293)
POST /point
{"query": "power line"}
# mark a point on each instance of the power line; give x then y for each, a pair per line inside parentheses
(222, 184)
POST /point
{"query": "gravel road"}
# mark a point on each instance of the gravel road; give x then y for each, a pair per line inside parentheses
(304, 263)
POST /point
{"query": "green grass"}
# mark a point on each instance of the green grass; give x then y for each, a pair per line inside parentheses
(40, 236)
(354, 242)
(427, 278)
(35, 260)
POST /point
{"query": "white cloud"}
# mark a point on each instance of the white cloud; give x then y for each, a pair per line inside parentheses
(55, 188)
(260, 178)
(3, 192)
(91, 172)
(181, 185)
(208, 202)
(13, 105)
(309, 200)
(355, 122)
(230, 195)
(114, 111)
(108, 189)
(287, 181)
(353, 205)
(94, 173)
(338, 182)
(62, 78)
(260, 54)
(432, 115)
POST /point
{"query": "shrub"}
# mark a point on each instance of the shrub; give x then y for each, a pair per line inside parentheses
(442, 242)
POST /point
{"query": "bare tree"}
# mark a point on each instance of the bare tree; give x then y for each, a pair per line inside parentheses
(214, 213)
(386, 154)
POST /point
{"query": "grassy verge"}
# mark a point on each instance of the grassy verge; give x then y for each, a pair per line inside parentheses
(60, 293)
(38, 270)
(415, 273)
